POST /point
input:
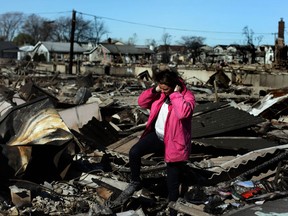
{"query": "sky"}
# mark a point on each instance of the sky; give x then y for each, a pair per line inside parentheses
(220, 22)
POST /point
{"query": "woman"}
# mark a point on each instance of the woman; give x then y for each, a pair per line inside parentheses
(168, 130)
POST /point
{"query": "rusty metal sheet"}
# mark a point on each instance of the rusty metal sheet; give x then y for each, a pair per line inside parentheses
(37, 143)
(12, 120)
(44, 127)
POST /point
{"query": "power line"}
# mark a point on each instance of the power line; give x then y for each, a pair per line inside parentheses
(166, 28)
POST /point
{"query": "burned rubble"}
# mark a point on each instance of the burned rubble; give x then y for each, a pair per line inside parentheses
(65, 142)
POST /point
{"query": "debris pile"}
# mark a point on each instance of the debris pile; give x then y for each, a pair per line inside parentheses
(65, 143)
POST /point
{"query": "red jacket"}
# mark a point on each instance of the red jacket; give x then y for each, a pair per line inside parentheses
(177, 135)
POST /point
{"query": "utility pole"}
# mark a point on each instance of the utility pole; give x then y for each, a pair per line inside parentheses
(275, 45)
(72, 41)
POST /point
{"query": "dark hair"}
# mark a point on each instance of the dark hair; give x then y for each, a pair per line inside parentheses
(168, 77)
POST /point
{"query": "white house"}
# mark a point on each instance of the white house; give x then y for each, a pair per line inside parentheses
(265, 54)
(56, 51)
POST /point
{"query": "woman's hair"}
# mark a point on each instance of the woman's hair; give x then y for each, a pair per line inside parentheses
(168, 77)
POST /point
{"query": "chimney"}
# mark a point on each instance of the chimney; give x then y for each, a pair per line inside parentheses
(281, 26)
(279, 42)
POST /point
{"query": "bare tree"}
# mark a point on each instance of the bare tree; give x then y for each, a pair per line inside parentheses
(83, 29)
(193, 45)
(100, 29)
(10, 24)
(38, 28)
(62, 29)
(48, 28)
(249, 34)
(132, 40)
(166, 39)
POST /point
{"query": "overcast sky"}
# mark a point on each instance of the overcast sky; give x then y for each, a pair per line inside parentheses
(219, 21)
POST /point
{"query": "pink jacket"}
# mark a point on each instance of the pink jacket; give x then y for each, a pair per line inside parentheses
(177, 137)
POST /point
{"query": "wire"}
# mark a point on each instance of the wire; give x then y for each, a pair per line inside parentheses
(166, 28)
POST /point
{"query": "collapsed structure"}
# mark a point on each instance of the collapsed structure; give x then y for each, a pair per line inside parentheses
(65, 143)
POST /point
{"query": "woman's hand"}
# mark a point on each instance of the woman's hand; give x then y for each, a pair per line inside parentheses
(177, 88)
(157, 89)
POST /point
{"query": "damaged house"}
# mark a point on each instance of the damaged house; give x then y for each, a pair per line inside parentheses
(108, 53)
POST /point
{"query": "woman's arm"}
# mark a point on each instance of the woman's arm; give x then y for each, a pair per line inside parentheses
(183, 104)
(147, 97)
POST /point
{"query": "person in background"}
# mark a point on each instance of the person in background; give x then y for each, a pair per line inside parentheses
(168, 131)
